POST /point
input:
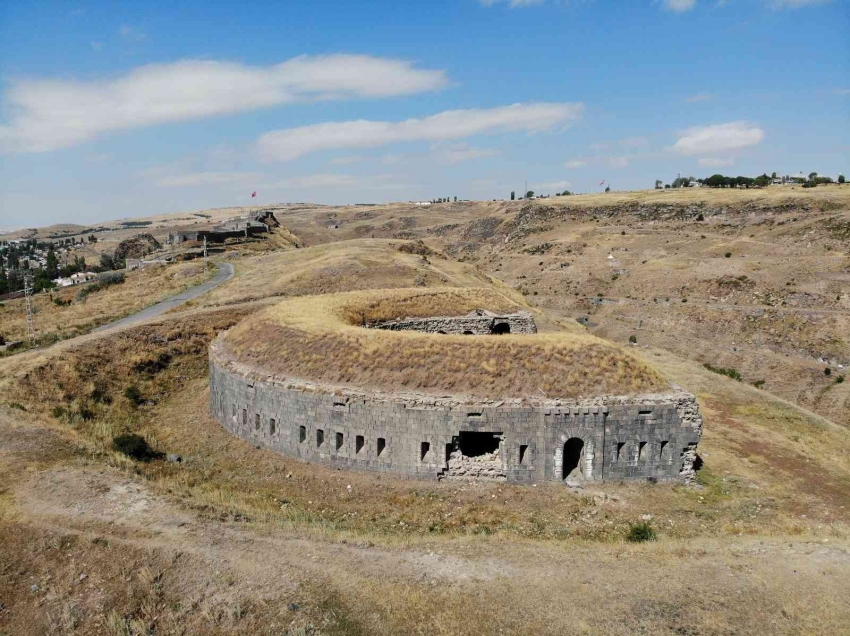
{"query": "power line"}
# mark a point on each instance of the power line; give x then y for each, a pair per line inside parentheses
(28, 296)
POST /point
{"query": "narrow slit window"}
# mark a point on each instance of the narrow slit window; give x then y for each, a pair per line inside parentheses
(523, 454)
(382, 444)
(426, 446)
(664, 450)
(340, 438)
(642, 451)
(244, 417)
(234, 410)
(302, 434)
(271, 426)
(257, 422)
(620, 450)
(359, 442)
(320, 438)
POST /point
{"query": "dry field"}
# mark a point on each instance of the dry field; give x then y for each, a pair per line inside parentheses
(54, 320)
(239, 540)
(236, 540)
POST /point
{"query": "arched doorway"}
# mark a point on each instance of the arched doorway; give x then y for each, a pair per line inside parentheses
(572, 459)
(500, 329)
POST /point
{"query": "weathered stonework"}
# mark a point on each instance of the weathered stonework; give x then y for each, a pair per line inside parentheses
(478, 323)
(603, 438)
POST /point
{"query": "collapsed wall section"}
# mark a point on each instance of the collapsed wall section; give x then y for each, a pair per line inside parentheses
(652, 436)
(478, 323)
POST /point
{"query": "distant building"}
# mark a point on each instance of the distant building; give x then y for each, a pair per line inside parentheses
(240, 226)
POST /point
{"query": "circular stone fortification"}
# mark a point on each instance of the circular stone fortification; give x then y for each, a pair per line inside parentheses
(310, 379)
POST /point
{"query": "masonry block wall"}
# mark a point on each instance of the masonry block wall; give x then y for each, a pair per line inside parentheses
(477, 323)
(607, 438)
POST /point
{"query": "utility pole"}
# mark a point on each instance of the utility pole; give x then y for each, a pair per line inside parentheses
(205, 254)
(28, 296)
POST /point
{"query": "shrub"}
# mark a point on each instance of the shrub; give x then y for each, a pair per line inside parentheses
(827, 372)
(2, 340)
(633, 339)
(839, 379)
(728, 255)
(133, 394)
(61, 303)
(729, 373)
(103, 281)
(758, 384)
(640, 532)
(134, 446)
(58, 412)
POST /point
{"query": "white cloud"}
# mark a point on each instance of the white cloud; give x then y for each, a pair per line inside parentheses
(290, 143)
(713, 162)
(699, 97)
(679, 6)
(50, 114)
(344, 161)
(455, 153)
(575, 163)
(195, 179)
(707, 140)
(554, 185)
(618, 162)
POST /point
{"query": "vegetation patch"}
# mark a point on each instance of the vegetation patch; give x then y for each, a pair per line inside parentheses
(728, 372)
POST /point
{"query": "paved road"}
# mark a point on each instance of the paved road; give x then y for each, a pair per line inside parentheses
(225, 273)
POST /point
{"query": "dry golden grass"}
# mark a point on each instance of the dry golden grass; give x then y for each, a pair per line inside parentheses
(311, 338)
(336, 267)
(140, 289)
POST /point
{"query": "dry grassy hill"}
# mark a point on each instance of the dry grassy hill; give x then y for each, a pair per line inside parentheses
(236, 540)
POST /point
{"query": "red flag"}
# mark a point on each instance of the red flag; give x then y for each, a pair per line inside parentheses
(253, 194)
(600, 183)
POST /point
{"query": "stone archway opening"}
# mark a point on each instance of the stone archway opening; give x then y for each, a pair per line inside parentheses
(500, 329)
(572, 459)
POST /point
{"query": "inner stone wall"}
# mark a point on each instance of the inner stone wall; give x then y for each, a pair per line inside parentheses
(478, 322)
(651, 436)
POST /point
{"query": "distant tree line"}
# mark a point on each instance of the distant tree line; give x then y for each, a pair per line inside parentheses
(723, 181)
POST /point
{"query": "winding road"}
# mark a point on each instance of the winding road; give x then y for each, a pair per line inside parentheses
(225, 273)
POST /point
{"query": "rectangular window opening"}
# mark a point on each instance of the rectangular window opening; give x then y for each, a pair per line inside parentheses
(473, 415)
(645, 412)
(302, 434)
(359, 442)
(256, 421)
(340, 438)
(234, 410)
(664, 451)
(642, 451)
(523, 454)
(426, 446)
(382, 444)
(620, 447)
(271, 426)
(320, 438)
(244, 417)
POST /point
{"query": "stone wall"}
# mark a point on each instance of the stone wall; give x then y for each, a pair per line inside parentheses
(478, 323)
(650, 436)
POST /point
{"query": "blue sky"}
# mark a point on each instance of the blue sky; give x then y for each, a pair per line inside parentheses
(111, 110)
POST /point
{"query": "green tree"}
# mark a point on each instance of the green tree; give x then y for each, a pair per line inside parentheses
(773, 175)
(813, 176)
(658, 184)
(4, 280)
(52, 267)
(513, 195)
(841, 178)
(529, 194)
